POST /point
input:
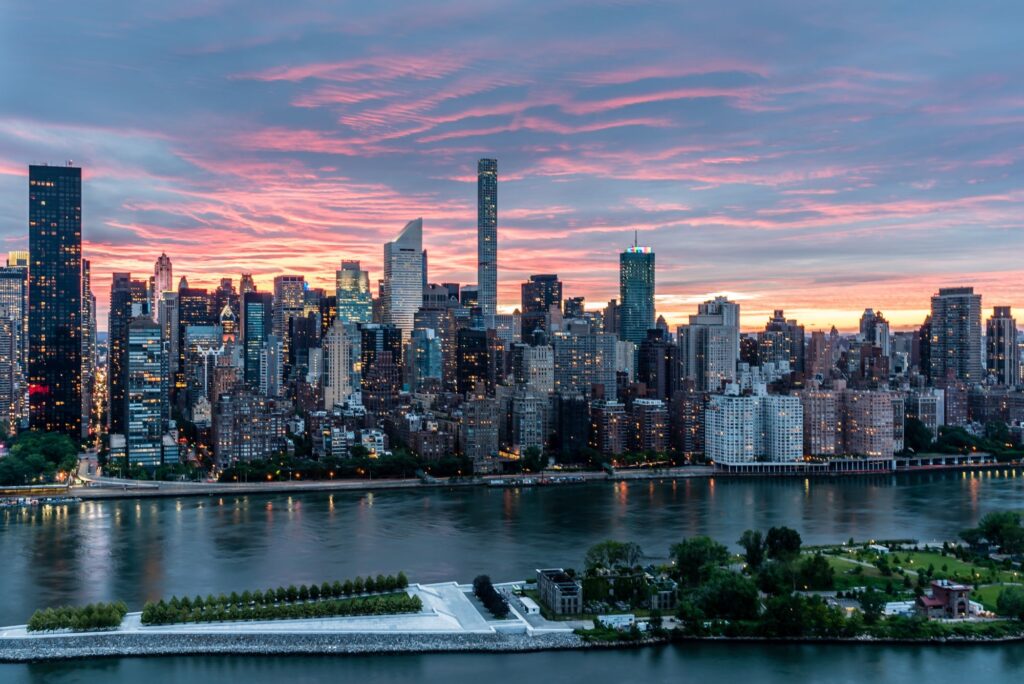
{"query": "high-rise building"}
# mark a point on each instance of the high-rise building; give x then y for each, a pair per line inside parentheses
(574, 307)
(146, 393)
(658, 365)
(128, 299)
(55, 299)
(539, 294)
(14, 305)
(782, 340)
(403, 278)
(744, 430)
(337, 365)
(88, 346)
(163, 281)
(487, 238)
(584, 363)
(257, 315)
(609, 428)
(354, 303)
(18, 259)
(246, 284)
(648, 425)
(1002, 354)
(874, 329)
(636, 293)
(709, 345)
(289, 301)
(8, 386)
(955, 343)
(424, 363)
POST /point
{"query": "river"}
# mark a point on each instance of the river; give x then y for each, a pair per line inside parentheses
(146, 548)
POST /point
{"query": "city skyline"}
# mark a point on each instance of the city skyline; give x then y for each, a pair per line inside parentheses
(821, 174)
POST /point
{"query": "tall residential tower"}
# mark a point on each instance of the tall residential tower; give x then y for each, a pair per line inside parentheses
(636, 293)
(487, 238)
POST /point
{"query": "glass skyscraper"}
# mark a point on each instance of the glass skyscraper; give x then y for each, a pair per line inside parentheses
(257, 315)
(352, 287)
(487, 238)
(636, 293)
(55, 299)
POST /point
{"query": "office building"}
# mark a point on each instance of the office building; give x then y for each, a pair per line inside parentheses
(146, 393)
(354, 301)
(257, 314)
(539, 294)
(337, 357)
(636, 293)
(55, 300)
(128, 299)
(402, 292)
(709, 345)
(163, 281)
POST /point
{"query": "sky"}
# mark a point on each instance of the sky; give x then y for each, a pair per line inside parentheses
(819, 157)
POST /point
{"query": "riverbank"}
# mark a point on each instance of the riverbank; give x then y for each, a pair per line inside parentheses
(139, 490)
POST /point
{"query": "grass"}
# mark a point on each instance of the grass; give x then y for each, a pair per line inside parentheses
(848, 576)
(988, 595)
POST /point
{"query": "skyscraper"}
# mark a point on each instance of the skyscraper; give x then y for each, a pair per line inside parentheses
(13, 306)
(289, 301)
(403, 277)
(127, 300)
(487, 238)
(1002, 357)
(146, 391)
(163, 279)
(55, 299)
(88, 345)
(257, 313)
(709, 346)
(354, 302)
(636, 293)
(955, 344)
(539, 294)
(337, 347)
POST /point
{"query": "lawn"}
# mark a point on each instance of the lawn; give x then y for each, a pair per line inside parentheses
(848, 576)
(955, 569)
(988, 595)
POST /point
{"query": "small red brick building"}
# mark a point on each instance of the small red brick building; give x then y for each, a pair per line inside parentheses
(948, 600)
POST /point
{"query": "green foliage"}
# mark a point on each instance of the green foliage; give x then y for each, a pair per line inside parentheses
(872, 603)
(282, 603)
(38, 457)
(78, 619)
(752, 542)
(1011, 602)
(815, 573)
(695, 558)
(389, 604)
(783, 543)
(916, 435)
(776, 577)
(728, 596)
(489, 596)
(1002, 529)
(612, 554)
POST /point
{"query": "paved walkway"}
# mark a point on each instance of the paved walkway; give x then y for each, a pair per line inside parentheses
(446, 610)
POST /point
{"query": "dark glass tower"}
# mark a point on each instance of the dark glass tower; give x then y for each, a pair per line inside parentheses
(636, 293)
(128, 299)
(539, 294)
(55, 299)
(257, 318)
(487, 238)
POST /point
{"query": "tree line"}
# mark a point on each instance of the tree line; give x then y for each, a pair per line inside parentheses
(161, 613)
(78, 618)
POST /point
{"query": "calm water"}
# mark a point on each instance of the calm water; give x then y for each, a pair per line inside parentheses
(141, 549)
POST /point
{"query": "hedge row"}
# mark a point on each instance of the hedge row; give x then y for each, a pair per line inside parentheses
(389, 604)
(489, 596)
(293, 594)
(78, 618)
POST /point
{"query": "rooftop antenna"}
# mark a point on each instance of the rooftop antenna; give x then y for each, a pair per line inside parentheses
(635, 238)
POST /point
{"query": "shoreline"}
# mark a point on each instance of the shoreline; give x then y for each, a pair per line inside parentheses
(57, 648)
(142, 490)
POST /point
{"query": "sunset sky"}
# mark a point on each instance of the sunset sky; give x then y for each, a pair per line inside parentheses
(820, 157)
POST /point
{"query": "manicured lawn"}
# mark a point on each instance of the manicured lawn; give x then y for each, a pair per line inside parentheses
(988, 595)
(848, 576)
(956, 569)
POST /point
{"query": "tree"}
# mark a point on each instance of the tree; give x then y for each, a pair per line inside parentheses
(815, 573)
(916, 436)
(533, 460)
(783, 543)
(728, 596)
(1011, 602)
(752, 542)
(696, 557)
(612, 554)
(776, 578)
(1004, 530)
(784, 616)
(872, 603)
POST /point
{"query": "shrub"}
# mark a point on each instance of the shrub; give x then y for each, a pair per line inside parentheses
(89, 617)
